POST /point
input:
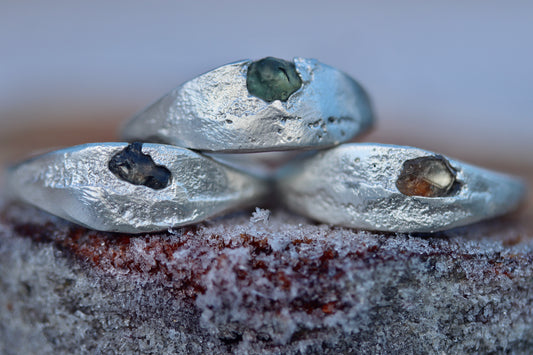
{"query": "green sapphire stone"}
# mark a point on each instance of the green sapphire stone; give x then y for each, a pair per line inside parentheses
(272, 79)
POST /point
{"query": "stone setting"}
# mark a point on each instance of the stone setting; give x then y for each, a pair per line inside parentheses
(137, 168)
(272, 79)
(430, 176)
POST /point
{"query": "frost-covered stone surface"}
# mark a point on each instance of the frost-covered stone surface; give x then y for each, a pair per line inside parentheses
(262, 282)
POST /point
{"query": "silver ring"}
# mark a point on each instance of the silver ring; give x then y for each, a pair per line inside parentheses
(270, 104)
(132, 188)
(395, 189)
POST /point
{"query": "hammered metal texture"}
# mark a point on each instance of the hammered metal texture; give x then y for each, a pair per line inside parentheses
(354, 185)
(215, 112)
(76, 184)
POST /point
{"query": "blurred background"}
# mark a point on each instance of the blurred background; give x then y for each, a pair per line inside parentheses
(455, 77)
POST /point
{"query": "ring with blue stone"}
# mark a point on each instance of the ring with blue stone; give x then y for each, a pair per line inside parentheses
(251, 106)
(395, 189)
(132, 188)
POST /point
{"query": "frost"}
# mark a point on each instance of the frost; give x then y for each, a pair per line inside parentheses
(272, 282)
(260, 215)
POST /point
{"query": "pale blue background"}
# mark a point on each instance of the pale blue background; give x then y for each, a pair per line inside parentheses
(453, 76)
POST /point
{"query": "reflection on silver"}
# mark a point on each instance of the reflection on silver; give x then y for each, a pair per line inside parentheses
(215, 112)
(77, 184)
(355, 185)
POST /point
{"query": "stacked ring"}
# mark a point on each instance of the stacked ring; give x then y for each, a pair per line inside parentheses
(132, 188)
(395, 189)
(267, 105)
(254, 106)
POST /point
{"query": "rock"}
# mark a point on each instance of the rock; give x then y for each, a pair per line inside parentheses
(271, 284)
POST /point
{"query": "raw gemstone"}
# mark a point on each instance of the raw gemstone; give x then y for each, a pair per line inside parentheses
(131, 165)
(272, 79)
(430, 176)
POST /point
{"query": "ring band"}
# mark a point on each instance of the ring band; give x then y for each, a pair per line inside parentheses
(267, 105)
(395, 189)
(132, 188)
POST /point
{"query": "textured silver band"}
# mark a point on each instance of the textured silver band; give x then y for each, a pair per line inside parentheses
(78, 185)
(215, 112)
(355, 185)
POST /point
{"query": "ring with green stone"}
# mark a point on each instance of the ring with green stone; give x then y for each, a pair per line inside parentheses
(252, 106)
